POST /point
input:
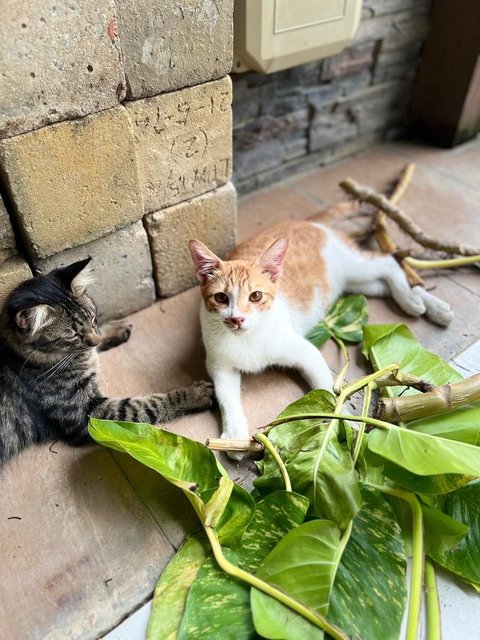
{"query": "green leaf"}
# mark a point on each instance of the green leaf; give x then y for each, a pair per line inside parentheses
(345, 320)
(171, 592)
(186, 464)
(441, 531)
(330, 483)
(216, 601)
(303, 565)
(423, 454)
(318, 400)
(369, 593)
(464, 559)
(430, 485)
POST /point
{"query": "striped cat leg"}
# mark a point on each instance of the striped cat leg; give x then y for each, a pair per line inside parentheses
(157, 407)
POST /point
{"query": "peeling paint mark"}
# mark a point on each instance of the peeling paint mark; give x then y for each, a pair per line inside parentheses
(112, 29)
(147, 50)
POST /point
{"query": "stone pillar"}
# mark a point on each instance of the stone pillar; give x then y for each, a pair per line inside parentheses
(115, 117)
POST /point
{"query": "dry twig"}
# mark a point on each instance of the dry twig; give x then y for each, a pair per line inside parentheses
(365, 194)
(383, 237)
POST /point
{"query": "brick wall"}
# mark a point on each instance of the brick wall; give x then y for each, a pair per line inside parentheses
(115, 142)
(322, 111)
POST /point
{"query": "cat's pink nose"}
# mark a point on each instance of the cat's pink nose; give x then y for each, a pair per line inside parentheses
(237, 321)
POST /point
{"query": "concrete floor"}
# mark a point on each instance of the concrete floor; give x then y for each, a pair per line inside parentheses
(85, 533)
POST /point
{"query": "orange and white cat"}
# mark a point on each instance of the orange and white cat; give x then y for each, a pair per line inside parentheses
(261, 302)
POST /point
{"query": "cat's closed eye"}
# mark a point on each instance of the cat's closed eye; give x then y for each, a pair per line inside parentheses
(221, 298)
(256, 296)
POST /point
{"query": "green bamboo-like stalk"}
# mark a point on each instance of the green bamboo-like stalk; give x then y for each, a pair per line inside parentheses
(440, 399)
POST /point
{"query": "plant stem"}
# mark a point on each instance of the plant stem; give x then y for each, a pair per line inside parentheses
(359, 383)
(312, 616)
(345, 538)
(276, 456)
(416, 577)
(340, 416)
(337, 387)
(434, 629)
(361, 431)
(441, 264)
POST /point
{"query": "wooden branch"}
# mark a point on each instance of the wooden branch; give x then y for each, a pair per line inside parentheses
(220, 444)
(365, 194)
(382, 235)
(440, 400)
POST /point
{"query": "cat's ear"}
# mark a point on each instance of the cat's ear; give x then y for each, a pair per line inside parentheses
(34, 318)
(75, 277)
(205, 261)
(272, 260)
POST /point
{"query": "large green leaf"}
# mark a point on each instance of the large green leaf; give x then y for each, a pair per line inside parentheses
(430, 485)
(218, 606)
(464, 559)
(423, 454)
(303, 565)
(388, 343)
(172, 589)
(330, 481)
(369, 593)
(345, 320)
(186, 464)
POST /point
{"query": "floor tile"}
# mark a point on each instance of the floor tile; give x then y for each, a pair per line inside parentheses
(77, 548)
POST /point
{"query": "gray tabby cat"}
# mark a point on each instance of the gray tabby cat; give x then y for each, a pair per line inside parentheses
(48, 367)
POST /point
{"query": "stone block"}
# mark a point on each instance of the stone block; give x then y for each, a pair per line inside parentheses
(7, 239)
(13, 271)
(372, 8)
(410, 25)
(58, 60)
(168, 46)
(210, 218)
(350, 61)
(72, 182)
(183, 142)
(121, 267)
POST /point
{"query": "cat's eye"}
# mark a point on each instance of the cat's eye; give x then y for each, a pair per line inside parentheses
(256, 296)
(221, 298)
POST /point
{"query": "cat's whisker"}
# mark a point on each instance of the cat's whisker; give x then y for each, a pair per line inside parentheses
(57, 368)
(28, 358)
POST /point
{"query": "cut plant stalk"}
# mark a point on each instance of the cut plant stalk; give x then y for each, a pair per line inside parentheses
(437, 401)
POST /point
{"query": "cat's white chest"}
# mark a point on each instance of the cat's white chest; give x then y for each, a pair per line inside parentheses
(248, 351)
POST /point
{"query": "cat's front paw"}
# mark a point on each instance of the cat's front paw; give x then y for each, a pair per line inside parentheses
(239, 433)
(114, 333)
(200, 395)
